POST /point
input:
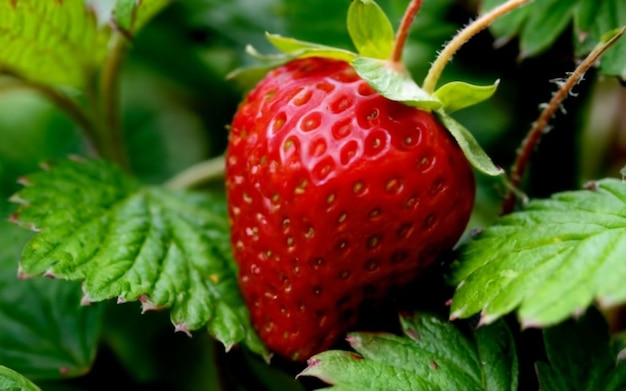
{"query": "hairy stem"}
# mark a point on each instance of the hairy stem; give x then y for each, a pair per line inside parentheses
(464, 35)
(538, 129)
(403, 30)
(198, 174)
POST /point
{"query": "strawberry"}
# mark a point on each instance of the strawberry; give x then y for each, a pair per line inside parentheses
(336, 194)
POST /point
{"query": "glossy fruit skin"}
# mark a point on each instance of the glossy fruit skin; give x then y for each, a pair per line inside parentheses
(336, 194)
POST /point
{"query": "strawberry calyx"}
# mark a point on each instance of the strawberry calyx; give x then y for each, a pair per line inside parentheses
(373, 37)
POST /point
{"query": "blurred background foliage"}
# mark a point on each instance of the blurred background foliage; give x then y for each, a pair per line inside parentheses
(176, 104)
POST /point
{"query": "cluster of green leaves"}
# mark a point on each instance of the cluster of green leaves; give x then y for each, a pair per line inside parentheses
(542, 22)
(125, 240)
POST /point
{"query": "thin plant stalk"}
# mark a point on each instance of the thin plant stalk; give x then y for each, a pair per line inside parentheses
(464, 35)
(403, 30)
(538, 129)
(111, 135)
(198, 174)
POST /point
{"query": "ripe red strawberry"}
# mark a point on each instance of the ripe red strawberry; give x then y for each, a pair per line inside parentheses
(336, 194)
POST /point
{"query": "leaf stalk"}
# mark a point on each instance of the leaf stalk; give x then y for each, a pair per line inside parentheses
(403, 31)
(538, 128)
(464, 35)
(198, 174)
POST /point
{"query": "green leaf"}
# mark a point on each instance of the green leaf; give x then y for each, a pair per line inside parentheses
(45, 333)
(458, 95)
(370, 29)
(613, 62)
(163, 248)
(51, 42)
(63, 43)
(550, 260)
(496, 348)
(124, 13)
(507, 26)
(607, 16)
(581, 357)
(132, 15)
(548, 20)
(394, 84)
(540, 23)
(432, 354)
(472, 150)
(13, 381)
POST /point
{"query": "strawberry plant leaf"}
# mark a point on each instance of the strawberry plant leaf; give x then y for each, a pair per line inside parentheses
(550, 260)
(163, 248)
(541, 22)
(458, 95)
(51, 42)
(64, 43)
(591, 363)
(370, 29)
(432, 354)
(473, 151)
(13, 381)
(132, 15)
(394, 84)
(507, 26)
(46, 334)
(548, 19)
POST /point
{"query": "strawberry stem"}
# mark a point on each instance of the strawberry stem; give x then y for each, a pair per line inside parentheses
(537, 130)
(403, 30)
(464, 35)
(111, 135)
(200, 173)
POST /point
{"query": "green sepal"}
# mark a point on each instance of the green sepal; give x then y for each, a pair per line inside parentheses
(303, 49)
(472, 150)
(277, 58)
(370, 29)
(394, 84)
(248, 77)
(290, 49)
(458, 95)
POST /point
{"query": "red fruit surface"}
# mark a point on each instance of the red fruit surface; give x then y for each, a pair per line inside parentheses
(336, 194)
